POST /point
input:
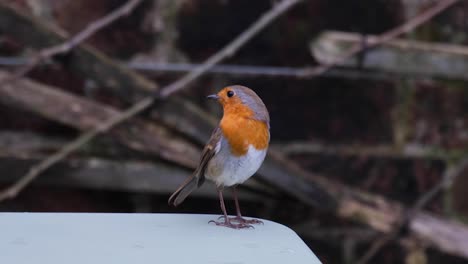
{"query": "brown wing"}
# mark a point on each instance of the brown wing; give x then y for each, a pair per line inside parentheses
(207, 154)
(198, 176)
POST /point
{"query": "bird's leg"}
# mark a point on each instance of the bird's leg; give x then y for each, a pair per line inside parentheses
(239, 217)
(227, 221)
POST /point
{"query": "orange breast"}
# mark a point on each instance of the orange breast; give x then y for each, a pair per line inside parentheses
(242, 131)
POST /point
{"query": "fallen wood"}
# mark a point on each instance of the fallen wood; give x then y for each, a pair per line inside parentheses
(124, 83)
(314, 190)
(374, 211)
(178, 113)
(408, 151)
(97, 173)
(383, 215)
(20, 150)
(95, 168)
(406, 57)
(239, 71)
(26, 144)
(447, 236)
(84, 114)
(101, 174)
(186, 117)
(30, 145)
(85, 59)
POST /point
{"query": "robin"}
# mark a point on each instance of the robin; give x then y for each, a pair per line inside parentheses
(235, 151)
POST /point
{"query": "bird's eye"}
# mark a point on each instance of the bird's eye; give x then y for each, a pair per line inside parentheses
(230, 93)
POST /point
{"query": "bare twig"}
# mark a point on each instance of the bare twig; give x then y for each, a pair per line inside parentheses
(84, 114)
(385, 37)
(423, 17)
(401, 57)
(450, 174)
(95, 167)
(376, 246)
(251, 71)
(376, 212)
(408, 151)
(232, 48)
(226, 52)
(77, 39)
(240, 70)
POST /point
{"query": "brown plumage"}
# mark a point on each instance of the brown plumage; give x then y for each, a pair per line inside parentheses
(198, 177)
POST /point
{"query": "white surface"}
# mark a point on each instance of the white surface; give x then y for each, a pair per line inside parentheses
(143, 238)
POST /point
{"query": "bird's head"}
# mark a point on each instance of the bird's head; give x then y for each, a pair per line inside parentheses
(240, 100)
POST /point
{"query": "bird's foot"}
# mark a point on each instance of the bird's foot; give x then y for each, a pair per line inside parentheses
(227, 223)
(240, 219)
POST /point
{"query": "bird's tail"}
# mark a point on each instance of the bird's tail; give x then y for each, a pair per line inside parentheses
(185, 189)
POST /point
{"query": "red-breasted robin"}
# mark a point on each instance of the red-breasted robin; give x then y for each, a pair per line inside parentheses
(235, 151)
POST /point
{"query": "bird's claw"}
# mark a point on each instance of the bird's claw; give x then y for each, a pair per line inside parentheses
(221, 217)
(240, 219)
(231, 225)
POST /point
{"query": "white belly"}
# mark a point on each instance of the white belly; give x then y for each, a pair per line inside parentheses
(227, 170)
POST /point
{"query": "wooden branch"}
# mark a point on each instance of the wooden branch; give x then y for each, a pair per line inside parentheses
(30, 145)
(393, 33)
(85, 59)
(450, 174)
(408, 151)
(25, 144)
(84, 115)
(318, 191)
(370, 210)
(66, 46)
(379, 213)
(345, 202)
(187, 118)
(374, 211)
(89, 169)
(97, 173)
(112, 121)
(452, 171)
(101, 174)
(448, 236)
(230, 49)
(244, 71)
(406, 57)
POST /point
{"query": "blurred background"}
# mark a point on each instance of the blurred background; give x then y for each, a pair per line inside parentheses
(371, 152)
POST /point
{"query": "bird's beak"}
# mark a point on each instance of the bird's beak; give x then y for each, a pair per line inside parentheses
(213, 96)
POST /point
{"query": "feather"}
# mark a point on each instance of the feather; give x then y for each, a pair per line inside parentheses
(198, 177)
